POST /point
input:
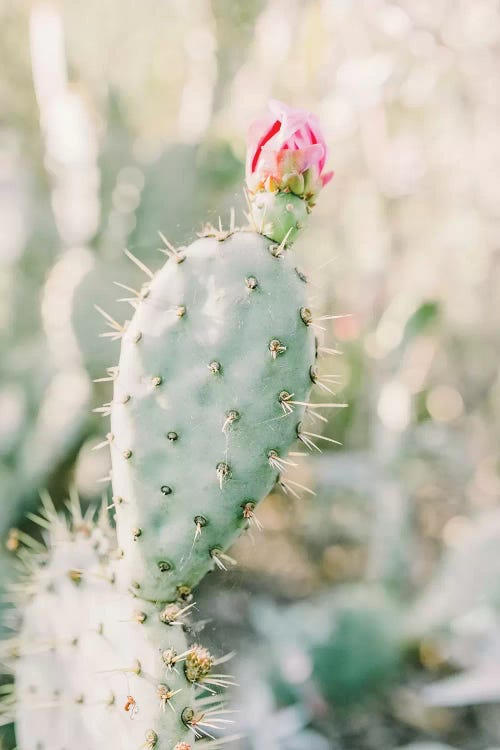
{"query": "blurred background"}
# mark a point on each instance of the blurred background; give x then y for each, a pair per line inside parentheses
(367, 617)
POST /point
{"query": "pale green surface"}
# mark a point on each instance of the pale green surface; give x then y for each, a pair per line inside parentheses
(229, 323)
(280, 216)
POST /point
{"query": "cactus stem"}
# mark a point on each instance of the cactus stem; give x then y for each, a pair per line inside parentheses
(139, 263)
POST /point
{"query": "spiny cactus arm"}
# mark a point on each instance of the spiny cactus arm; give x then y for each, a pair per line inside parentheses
(94, 669)
(214, 377)
(214, 369)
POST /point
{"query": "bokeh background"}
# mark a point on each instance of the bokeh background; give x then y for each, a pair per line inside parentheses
(367, 617)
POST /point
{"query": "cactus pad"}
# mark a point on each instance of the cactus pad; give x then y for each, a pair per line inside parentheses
(202, 417)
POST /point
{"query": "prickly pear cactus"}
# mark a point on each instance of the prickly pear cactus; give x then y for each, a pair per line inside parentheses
(209, 394)
(214, 369)
(215, 372)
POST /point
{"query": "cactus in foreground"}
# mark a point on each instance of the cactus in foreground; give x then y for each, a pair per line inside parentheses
(214, 374)
(209, 395)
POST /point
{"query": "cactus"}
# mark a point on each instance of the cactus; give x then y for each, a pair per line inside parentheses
(209, 395)
(207, 402)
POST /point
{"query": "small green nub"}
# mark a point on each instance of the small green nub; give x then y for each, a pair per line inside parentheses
(279, 216)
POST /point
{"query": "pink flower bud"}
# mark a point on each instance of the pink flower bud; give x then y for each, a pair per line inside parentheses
(287, 151)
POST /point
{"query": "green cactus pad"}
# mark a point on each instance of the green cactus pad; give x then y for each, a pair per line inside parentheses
(198, 425)
(279, 216)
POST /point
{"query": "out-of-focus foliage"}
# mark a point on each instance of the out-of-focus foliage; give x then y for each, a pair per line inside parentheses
(119, 119)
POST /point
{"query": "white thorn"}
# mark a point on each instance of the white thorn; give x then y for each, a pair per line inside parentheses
(139, 263)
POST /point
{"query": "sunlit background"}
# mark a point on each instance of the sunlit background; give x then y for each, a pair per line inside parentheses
(367, 617)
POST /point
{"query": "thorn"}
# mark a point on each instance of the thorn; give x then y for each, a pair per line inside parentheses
(287, 487)
(223, 472)
(278, 463)
(326, 351)
(139, 263)
(200, 522)
(232, 417)
(319, 406)
(221, 559)
(249, 515)
(172, 613)
(110, 321)
(165, 695)
(106, 479)
(171, 251)
(105, 443)
(278, 249)
(315, 415)
(104, 410)
(276, 348)
(112, 374)
(285, 400)
(321, 437)
(334, 317)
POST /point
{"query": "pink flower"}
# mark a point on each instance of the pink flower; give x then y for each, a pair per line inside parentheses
(287, 151)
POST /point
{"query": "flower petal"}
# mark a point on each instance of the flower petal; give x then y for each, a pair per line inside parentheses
(326, 177)
(259, 132)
